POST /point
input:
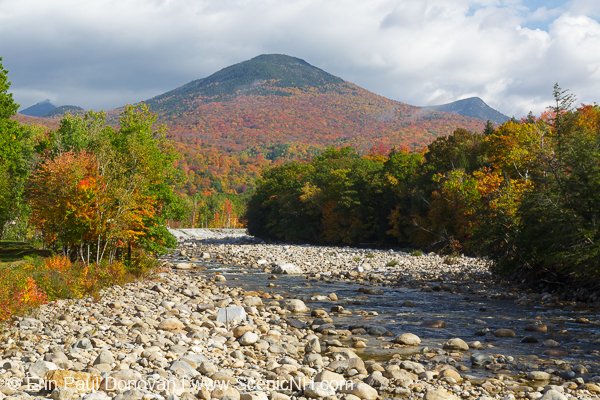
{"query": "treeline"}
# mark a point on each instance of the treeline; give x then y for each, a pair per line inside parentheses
(526, 194)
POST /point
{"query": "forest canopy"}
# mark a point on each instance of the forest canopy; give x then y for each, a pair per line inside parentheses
(526, 194)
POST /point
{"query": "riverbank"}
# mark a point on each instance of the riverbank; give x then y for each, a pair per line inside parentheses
(176, 335)
(428, 272)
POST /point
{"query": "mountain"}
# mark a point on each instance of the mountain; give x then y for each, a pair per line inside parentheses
(58, 112)
(39, 109)
(45, 124)
(249, 78)
(231, 124)
(472, 107)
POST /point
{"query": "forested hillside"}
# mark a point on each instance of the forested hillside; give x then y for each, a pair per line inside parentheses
(527, 194)
(231, 124)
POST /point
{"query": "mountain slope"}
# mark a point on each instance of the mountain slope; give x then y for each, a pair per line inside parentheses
(45, 123)
(248, 77)
(39, 109)
(231, 124)
(58, 112)
(472, 107)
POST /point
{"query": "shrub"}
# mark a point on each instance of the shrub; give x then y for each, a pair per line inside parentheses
(451, 259)
(19, 293)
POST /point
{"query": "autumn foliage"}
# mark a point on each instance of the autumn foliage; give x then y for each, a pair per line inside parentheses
(525, 194)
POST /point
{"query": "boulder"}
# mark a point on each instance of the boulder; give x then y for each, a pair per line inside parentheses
(318, 390)
(456, 344)
(248, 338)
(408, 339)
(434, 323)
(295, 305)
(334, 380)
(439, 394)
(227, 314)
(82, 382)
(553, 395)
(504, 333)
(170, 324)
(288, 269)
(360, 390)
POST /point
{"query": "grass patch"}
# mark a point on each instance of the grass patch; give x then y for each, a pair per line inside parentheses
(370, 255)
(11, 251)
(392, 263)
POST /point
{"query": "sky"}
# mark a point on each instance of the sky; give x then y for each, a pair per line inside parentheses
(103, 54)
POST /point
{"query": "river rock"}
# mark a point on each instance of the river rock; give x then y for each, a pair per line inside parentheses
(253, 301)
(377, 330)
(591, 387)
(256, 395)
(239, 330)
(170, 324)
(450, 373)
(439, 394)
(225, 392)
(553, 395)
(536, 328)
(480, 359)
(408, 339)
(248, 338)
(377, 380)
(207, 368)
(41, 367)
(313, 345)
(360, 390)
(506, 333)
(184, 266)
(295, 305)
(124, 379)
(551, 343)
(104, 357)
(287, 268)
(186, 368)
(456, 344)
(63, 393)
(84, 344)
(82, 382)
(318, 390)
(538, 376)
(433, 323)
(227, 314)
(334, 380)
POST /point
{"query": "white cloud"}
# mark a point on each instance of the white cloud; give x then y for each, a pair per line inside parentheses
(105, 53)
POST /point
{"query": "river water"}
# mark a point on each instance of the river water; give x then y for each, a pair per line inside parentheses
(464, 316)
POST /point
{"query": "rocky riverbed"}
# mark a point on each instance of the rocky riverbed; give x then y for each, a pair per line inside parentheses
(195, 332)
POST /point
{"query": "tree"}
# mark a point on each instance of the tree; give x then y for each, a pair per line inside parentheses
(489, 128)
(12, 171)
(120, 199)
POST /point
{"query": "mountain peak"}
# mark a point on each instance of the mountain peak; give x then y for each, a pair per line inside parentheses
(472, 107)
(39, 109)
(265, 74)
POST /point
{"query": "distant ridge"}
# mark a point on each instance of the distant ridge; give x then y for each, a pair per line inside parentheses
(39, 109)
(472, 107)
(62, 110)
